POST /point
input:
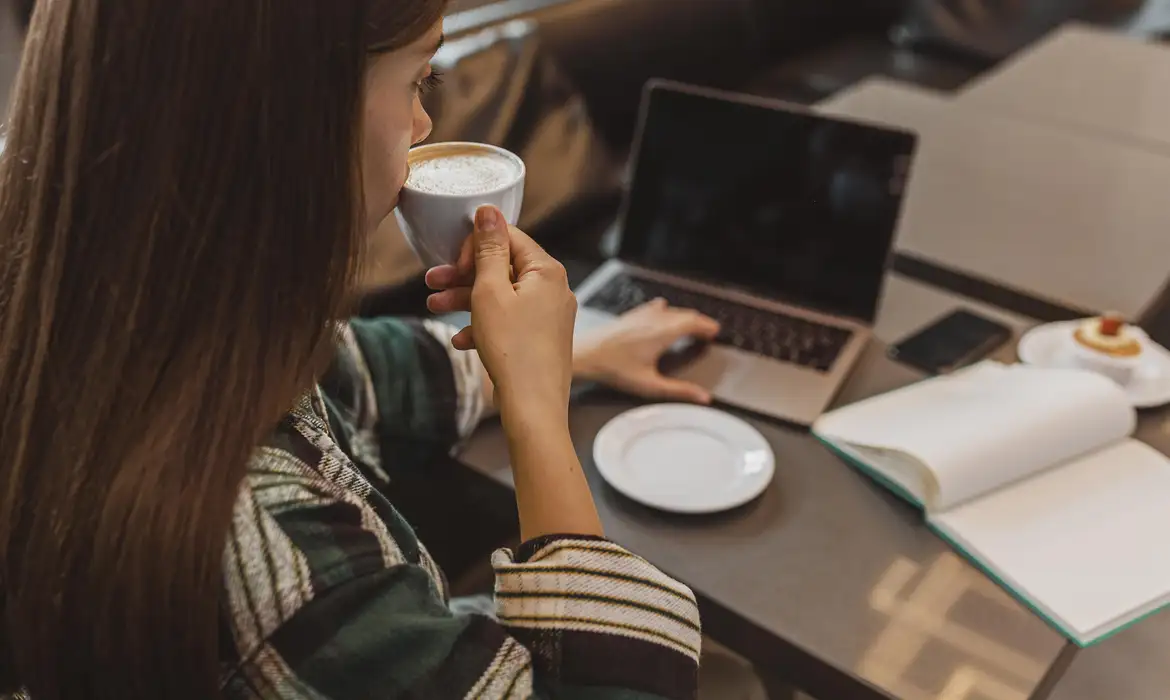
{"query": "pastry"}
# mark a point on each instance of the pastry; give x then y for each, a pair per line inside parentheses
(1109, 335)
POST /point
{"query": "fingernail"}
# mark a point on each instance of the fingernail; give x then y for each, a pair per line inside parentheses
(487, 218)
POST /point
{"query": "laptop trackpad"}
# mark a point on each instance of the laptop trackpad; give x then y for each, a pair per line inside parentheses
(715, 369)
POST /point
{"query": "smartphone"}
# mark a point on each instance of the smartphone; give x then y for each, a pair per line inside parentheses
(956, 340)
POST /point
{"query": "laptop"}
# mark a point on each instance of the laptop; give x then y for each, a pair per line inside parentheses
(776, 221)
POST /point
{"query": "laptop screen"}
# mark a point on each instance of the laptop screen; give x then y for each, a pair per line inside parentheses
(785, 204)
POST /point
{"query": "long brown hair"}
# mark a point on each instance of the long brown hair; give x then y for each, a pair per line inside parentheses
(179, 228)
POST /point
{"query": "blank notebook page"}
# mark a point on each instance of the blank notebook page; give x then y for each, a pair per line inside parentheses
(1086, 542)
(989, 424)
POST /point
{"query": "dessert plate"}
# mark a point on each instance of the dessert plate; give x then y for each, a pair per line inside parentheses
(684, 459)
(1050, 345)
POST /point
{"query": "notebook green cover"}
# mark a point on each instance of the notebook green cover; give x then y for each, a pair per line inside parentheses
(1028, 474)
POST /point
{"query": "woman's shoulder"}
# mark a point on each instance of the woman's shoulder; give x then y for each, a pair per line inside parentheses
(305, 521)
(398, 393)
(303, 450)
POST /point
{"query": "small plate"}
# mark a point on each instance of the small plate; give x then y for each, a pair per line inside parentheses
(1049, 345)
(684, 459)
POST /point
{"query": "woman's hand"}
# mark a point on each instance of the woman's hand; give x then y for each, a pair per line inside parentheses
(523, 332)
(522, 329)
(625, 354)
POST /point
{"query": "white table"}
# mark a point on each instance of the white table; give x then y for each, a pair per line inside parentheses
(1080, 77)
(1054, 213)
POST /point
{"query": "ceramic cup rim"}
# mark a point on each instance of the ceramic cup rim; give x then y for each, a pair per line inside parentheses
(517, 160)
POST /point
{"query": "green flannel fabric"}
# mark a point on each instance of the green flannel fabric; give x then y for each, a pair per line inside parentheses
(329, 593)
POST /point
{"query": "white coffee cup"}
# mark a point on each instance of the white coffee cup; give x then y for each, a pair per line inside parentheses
(447, 184)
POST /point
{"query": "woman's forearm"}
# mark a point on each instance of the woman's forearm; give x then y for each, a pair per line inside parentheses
(552, 494)
(583, 369)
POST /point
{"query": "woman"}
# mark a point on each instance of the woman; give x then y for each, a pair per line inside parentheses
(190, 501)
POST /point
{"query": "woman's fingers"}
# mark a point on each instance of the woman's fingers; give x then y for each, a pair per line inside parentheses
(463, 340)
(492, 250)
(693, 323)
(450, 300)
(443, 277)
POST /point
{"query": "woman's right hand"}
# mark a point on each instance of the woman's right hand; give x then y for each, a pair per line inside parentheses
(522, 329)
(522, 315)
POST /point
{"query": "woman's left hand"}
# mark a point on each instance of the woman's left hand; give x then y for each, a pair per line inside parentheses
(625, 354)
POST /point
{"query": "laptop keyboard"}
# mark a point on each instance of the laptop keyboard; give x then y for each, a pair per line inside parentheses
(768, 333)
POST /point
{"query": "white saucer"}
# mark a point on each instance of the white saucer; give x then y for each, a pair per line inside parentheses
(1049, 345)
(683, 458)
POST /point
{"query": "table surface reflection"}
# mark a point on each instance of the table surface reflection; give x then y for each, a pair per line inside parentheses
(830, 563)
(828, 578)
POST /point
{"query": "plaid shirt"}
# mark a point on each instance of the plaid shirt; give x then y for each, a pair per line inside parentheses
(329, 594)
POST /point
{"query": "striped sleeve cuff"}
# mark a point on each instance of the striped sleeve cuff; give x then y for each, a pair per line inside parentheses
(596, 609)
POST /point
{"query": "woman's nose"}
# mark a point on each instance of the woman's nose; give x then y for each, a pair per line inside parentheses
(422, 125)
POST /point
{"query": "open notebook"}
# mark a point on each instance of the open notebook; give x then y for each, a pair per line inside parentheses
(1031, 474)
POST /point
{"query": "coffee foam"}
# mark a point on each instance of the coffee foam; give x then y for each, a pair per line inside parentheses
(462, 173)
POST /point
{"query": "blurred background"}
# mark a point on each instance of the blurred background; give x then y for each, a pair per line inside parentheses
(559, 81)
